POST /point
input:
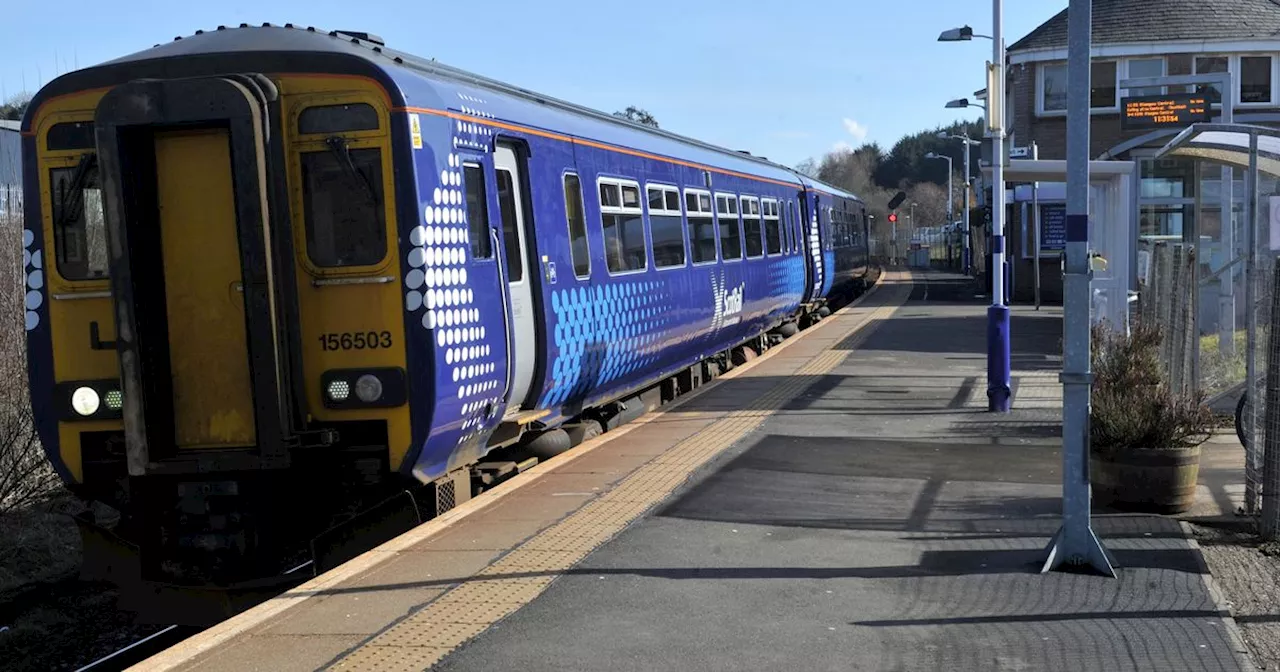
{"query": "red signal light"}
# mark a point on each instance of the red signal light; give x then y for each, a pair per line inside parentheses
(893, 216)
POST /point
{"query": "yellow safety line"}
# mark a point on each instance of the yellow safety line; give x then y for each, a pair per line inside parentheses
(429, 634)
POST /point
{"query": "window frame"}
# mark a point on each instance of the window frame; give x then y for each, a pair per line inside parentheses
(666, 188)
(1237, 76)
(730, 199)
(475, 162)
(621, 209)
(755, 213)
(300, 144)
(710, 214)
(765, 216)
(568, 225)
(1128, 74)
(1120, 66)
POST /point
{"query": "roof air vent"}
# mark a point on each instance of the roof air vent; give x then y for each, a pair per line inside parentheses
(367, 37)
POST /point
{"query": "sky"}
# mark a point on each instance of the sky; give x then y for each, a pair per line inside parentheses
(786, 80)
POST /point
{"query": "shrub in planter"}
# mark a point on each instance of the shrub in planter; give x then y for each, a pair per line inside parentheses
(1144, 438)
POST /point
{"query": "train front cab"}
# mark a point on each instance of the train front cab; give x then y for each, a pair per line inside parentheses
(222, 332)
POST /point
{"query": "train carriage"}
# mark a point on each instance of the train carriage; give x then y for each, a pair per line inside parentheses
(275, 271)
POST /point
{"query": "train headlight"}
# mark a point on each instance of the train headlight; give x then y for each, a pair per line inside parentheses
(364, 388)
(85, 401)
(368, 388)
(338, 390)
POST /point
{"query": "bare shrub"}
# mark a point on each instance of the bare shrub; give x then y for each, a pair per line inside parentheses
(25, 475)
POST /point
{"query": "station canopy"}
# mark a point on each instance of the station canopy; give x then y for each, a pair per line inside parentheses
(1227, 143)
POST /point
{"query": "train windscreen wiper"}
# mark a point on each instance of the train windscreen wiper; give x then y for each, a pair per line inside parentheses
(338, 145)
(66, 204)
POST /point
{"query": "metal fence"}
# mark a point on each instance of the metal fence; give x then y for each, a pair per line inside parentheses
(1166, 299)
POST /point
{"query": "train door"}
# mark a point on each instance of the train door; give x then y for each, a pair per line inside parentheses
(516, 243)
(186, 193)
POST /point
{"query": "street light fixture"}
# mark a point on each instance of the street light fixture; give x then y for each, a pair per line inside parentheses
(968, 142)
(961, 34)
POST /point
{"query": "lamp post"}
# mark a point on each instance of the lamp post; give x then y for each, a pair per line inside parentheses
(968, 142)
(950, 194)
(998, 387)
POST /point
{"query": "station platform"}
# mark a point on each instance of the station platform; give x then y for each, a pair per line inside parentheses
(844, 502)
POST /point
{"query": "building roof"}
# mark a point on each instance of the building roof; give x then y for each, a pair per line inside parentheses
(1129, 21)
(6, 125)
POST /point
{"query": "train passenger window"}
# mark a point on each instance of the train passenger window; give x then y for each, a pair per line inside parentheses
(342, 206)
(772, 227)
(730, 227)
(666, 227)
(477, 211)
(751, 222)
(79, 227)
(702, 228)
(510, 236)
(338, 118)
(622, 220)
(578, 249)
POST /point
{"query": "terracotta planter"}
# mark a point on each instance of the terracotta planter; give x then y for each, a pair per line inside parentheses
(1146, 480)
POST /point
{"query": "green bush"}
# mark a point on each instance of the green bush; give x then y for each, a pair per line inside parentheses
(1133, 406)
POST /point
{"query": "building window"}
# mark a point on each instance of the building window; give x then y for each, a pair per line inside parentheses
(1205, 65)
(1146, 67)
(1102, 85)
(1255, 79)
(1102, 82)
(1054, 87)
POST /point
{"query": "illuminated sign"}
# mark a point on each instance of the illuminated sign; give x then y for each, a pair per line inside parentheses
(1174, 110)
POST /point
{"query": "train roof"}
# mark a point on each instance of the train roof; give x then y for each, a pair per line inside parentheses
(502, 101)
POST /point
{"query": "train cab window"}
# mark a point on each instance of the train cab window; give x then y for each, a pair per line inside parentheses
(702, 226)
(510, 234)
(622, 219)
(79, 227)
(666, 227)
(751, 225)
(338, 118)
(730, 227)
(343, 207)
(477, 211)
(772, 227)
(577, 221)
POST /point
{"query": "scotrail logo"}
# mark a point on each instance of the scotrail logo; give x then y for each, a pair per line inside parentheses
(728, 303)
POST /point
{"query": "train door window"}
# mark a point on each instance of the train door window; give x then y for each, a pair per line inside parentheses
(510, 236)
(622, 219)
(477, 211)
(772, 227)
(702, 226)
(751, 224)
(79, 227)
(730, 227)
(666, 226)
(577, 220)
(342, 205)
(790, 228)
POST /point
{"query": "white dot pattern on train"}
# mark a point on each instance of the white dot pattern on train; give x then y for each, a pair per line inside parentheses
(33, 269)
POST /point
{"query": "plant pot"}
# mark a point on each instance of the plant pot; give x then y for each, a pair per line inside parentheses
(1147, 480)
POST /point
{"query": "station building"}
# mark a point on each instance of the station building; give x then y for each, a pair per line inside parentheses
(1132, 39)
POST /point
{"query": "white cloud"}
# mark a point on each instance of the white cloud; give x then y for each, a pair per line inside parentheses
(858, 131)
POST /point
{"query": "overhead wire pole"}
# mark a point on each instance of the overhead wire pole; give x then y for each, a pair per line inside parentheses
(999, 391)
(1075, 542)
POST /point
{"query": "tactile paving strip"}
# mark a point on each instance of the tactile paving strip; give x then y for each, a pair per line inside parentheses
(429, 634)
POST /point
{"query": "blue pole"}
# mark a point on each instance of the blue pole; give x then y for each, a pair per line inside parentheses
(998, 387)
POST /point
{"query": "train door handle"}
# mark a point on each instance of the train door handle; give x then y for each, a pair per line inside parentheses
(95, 342)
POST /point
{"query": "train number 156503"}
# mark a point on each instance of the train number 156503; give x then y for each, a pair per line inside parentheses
(360, 340)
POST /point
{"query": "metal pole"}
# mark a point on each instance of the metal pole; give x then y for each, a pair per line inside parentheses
(1256, 450)
(1035, 214)
(1226, 283)
(1075, 543)
(998, 387)
(965, 262)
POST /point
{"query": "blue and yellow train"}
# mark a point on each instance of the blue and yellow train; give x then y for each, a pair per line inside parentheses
(276, 271)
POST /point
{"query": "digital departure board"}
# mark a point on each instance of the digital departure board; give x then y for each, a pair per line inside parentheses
(1172, 110)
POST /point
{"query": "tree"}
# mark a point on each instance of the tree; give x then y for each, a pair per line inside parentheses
(13, 108)
(638, 115)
